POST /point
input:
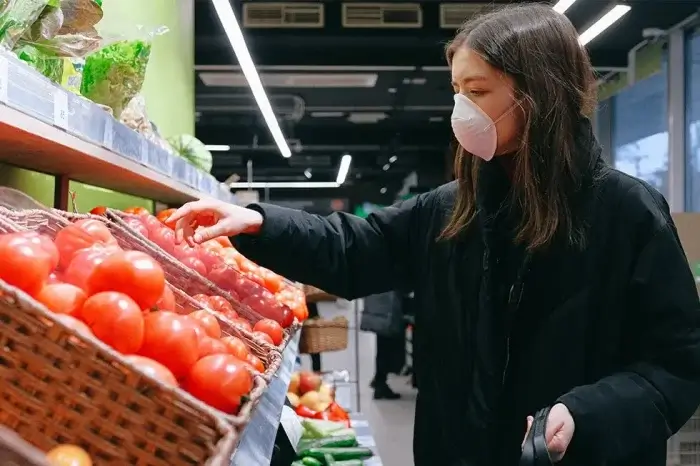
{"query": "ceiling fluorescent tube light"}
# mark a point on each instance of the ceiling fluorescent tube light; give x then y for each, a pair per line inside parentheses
(607, 20)
(235, 36)
(217, 147)
(284, 184)
(343, 169)
(563, 5)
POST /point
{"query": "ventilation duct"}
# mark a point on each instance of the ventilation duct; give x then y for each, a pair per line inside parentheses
(453, 15)
(382, 15)
(283, 15)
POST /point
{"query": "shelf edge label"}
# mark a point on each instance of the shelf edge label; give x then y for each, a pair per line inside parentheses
(60, 109)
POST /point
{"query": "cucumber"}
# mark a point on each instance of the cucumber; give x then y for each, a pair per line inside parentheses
(308, 461)
(328, 442)
(329, 460)
(349, 463)
(297, 463)
(339, 454)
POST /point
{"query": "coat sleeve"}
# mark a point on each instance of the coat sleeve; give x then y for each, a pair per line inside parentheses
(341, 254)
(654, 396)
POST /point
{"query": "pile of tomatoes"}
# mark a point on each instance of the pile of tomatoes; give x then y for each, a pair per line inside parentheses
(121, 297)
(266, 293)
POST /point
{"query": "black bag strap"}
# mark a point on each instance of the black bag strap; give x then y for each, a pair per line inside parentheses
(535, 451)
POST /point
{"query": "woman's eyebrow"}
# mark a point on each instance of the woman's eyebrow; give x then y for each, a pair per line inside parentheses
(468, 79)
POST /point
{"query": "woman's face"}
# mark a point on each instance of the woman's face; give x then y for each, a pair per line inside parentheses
(493, 91)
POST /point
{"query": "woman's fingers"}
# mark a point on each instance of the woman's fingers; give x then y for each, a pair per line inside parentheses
(193, 208)
(214, 231)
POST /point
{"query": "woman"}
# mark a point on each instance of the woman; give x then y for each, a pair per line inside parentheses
(542, 276)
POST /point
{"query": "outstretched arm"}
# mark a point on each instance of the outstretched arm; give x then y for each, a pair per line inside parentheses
(341, 253)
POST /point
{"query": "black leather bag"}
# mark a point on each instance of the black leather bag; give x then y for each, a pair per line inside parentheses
(535, 451)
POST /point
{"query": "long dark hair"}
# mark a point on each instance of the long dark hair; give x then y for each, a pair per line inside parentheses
(554, 80)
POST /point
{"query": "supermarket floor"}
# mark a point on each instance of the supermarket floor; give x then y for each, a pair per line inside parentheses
(391, 421)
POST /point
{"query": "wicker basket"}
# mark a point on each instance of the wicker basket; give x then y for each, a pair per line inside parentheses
(15, 451)
(321, 335)
(314, 295)
(48, 223)
(62, 387)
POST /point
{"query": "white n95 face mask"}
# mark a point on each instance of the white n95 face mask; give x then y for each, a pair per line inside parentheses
(473, 128)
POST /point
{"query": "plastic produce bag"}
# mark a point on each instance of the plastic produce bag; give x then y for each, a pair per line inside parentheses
(16, 17)
(193, 150)
(113, 75)
(134, 116)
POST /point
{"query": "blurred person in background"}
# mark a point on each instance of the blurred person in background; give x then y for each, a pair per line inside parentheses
(383, 316)
(547, 283)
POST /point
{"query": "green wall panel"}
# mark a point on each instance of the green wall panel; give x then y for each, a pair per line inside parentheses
(87, 197)
(37, 185)
(169, 86)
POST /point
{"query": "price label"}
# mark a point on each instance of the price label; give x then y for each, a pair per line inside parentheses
(355, 423)
(366, 441)
(4, 79)
(60, 109)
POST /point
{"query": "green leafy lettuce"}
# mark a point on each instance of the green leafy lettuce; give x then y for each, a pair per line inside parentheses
(112, 76)
(16, 16)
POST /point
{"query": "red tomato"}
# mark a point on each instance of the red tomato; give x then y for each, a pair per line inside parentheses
(245, 287)
(236, 347)
(267, 306)
(72, 239)
(220, 380)
(164, 238)
(153, 369)
(99, 210)
(84, 262)
(115, 319)
(256, 363)
(201, 301)
(195, 264)
(46, 244)
(24, 264)
(205, 219)
(247, 265)
(54, 277)
(183, 251)
(137, 211)
(223, 276)
(151, 222)
(256, 278)
(62, 298)
(166, 301)
(263, 336)
(270, 328)
(208, 322)
(209, 258)
(208, 345)
(74, 324)
(131, 272)
(221, 305)
(243, 324)
(224, 241)
(171, 339)
(164, 215)
(96, 229)
(137, 225)
(272, 281)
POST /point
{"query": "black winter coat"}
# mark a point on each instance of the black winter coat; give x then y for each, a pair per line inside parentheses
(611, 330)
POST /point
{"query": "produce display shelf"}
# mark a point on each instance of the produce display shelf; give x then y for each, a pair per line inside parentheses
(365, 437)
(48, 129)
(258, 438)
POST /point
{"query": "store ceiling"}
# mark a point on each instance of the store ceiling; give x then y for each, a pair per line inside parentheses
(380, 94)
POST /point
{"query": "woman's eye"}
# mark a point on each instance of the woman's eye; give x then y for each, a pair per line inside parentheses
(476, 92)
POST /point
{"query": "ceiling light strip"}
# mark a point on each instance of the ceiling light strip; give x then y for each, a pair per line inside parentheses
(284, 185)
(235, 36)
(607, 20)
(343, 169)
(563, 5)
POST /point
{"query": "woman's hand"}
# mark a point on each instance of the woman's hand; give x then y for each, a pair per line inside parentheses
(559, 432)
(228, 220)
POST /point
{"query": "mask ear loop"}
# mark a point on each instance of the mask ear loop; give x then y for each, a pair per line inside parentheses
(505, 114)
